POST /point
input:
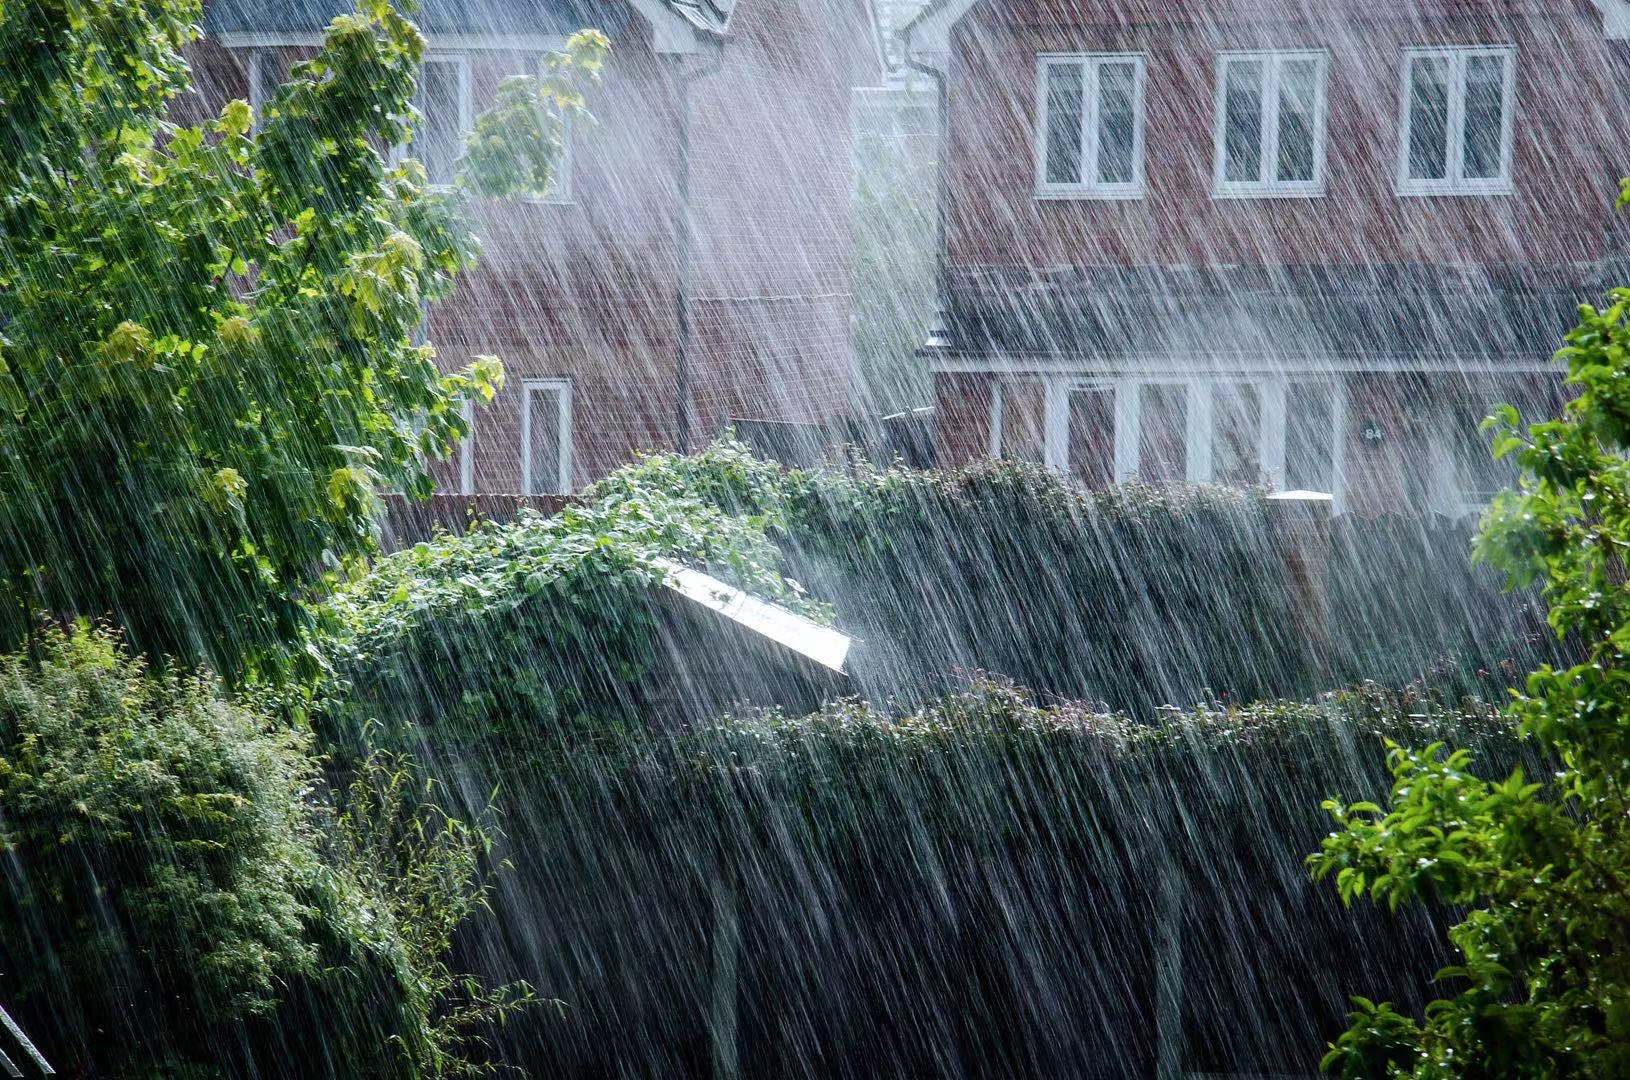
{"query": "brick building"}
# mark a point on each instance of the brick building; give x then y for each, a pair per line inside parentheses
(607, 310)
(1301, 242)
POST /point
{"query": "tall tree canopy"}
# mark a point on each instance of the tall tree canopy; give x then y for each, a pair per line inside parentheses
(208, 354)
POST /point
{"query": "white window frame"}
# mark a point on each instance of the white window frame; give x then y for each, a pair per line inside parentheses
(466, 119)
(466, 450)
(1267, 185)
(563, 417)
(1089, 187)
(258, 59)
(1454, 183)
(1272, 396)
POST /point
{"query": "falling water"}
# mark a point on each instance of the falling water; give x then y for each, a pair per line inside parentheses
(967, 480)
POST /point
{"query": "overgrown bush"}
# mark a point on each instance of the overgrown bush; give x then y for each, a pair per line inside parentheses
(178, 895)
(1138, 596)
(530, 628)
(1539, 860)
(976, 887)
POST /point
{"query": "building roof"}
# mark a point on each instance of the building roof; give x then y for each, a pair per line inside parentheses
(471, 18)
(1496, 315)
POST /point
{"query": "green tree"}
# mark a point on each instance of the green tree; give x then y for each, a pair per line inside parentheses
(1540, 865)
(178, 891)
(208, 354)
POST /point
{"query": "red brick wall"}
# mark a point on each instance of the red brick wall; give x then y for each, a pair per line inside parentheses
(585, 289)
(962, 412)
(1568, 150)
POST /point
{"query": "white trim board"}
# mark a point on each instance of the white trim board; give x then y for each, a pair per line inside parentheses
(1189, 367)
(275, 39)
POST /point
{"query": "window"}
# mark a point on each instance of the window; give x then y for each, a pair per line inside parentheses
(1310, 436)
(1163, 432)
(1236, 434)
(266, 70)
(1091, 453)
(1455, 135)
(560, 182)
(546, 437)
(1089, 140)
(1270, 123)
(443, 101)
(466, 451)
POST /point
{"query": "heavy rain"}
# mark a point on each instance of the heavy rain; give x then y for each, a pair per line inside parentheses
(814, 538)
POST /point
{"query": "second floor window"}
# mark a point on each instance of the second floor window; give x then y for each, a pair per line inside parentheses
(1270, 123)
(1090, 130)
(443, 102)
(1456, 121)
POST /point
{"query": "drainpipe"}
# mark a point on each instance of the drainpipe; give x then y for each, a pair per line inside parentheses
(939, 335)
(685, 78)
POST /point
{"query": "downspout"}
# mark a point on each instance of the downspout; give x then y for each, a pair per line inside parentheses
(939, 335)
(682, 231)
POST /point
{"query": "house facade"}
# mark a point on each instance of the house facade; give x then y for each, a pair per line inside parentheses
(691, 264)
(1304, 243)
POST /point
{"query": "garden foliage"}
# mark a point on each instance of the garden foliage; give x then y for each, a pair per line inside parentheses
(178, 891)
(977, 885)
(1539, 860)
(530, 628)
(1139, 596)
(208, 354)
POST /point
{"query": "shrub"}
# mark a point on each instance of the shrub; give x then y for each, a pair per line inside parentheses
(1138, 596)
(538, 626)
(973, 886)
(1538, 861)
(177, 894)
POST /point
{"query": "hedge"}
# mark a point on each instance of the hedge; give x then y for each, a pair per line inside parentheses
(970, 888)
(1137, 596)
(536, 625)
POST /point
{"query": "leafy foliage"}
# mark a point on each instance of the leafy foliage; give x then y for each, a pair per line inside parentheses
(518, 144)
(1139, 596)
(207, 355)
(187, 898)
(529, 627)
(975, 878)
(1540, 860)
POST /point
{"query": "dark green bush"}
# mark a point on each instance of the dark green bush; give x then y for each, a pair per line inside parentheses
(528, 628)
(1138, 596)
(972, 888)
(177, 894)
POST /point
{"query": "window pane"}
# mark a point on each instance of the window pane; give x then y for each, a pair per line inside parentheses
(1429, 118)
(1310, 437)
(545, 440)
(1298, 100)
(1023, 427)
(1485, 118)
(1064, 82)
(1117, 121)
(1242, 121)
(268, 73)
(437, 141)
(1163, 430)
(1236, 419)
(1092, 437)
